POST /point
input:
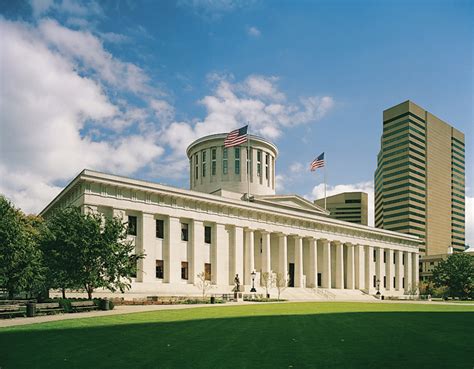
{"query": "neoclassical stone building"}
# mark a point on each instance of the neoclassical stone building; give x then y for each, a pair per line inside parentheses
(215, 228)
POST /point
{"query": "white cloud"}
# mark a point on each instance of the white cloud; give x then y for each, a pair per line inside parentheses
(470, 221)
(280, 183)
(254, 32)
(296, 168)
(86, 51)
(53, 117)
(368, 187)
(256, 101)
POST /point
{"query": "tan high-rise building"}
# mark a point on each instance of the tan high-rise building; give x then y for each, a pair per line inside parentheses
(419, 181)
(348, 206)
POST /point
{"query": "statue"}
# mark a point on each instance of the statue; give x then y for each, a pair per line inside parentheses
(237, 283)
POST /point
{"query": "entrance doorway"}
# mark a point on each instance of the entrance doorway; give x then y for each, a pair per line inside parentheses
(291, 272)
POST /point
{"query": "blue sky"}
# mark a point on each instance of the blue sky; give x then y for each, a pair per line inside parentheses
(124, 86)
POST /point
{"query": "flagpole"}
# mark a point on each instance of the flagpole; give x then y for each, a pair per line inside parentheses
(248, 166)
(325, 165)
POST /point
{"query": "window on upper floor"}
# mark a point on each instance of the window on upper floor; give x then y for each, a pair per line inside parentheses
(196, 166)
(213, 161)
(160, 228)
(225, 166)
(207, 234)
(204, 163)
(184, 232)
(237, 160)
(132, 225)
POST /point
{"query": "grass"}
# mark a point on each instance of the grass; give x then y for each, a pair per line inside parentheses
(285, 335)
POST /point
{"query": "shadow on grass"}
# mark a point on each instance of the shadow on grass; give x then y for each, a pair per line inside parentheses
(344, 340)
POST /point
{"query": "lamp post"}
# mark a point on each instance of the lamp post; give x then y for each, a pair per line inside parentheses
(253, 282)
(378, 287)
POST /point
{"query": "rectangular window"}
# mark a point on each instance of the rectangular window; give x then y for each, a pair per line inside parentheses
(207, 271)
(132, 225)
(213, 161)
(207, 234)
(203, 154)
(394, 257)
(259, 163)
(159, 269)
(375, 255)
(403, 259)
(394, 282)
(196, 166)
(375, 281)
(403, 282)
(249, 160)
(160, 228)
(267, 159)
(184, 270)
(384, 257)
(224, 160)
(184, 231)
(237, 160)
(385, 282)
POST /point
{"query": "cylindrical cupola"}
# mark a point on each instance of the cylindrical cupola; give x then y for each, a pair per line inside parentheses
(214, 167)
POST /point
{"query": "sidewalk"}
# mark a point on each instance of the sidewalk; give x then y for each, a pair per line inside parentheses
(121, 309)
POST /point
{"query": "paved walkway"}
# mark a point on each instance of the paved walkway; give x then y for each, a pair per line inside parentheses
(129, 309)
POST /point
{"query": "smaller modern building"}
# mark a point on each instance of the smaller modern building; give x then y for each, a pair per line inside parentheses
(348, 206)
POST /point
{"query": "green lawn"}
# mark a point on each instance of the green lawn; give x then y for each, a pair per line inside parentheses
(286, 335)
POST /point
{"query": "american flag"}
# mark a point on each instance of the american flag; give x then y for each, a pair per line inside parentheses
(317, 163)
(236, 137)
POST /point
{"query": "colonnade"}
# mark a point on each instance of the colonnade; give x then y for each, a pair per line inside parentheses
(304, 261)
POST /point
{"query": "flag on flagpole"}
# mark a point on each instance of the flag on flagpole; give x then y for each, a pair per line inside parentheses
(236, 137)
(317, 163)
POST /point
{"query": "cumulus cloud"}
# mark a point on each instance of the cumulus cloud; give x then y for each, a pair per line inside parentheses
(296, 168)
(253, 32)
(368, 187)
(53, 116)
(470, 221)
(257, 101)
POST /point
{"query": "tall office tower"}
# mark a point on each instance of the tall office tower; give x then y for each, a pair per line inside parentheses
(419, 180)
(349, 206)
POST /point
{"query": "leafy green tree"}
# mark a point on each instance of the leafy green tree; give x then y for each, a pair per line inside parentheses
(21, 261)
(88, 251)
(456, 273)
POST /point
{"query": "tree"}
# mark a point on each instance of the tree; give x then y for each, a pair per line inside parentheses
(21, 268)
(88, 251)
(267, 281)
(203, 284)
(457, 274)
(280, 283)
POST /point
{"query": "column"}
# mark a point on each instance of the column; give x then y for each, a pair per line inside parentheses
(298, 261)
(147, 237)
(196, 264)
(283, 256)
(171, 253)
(407, 276)
(388, 269)
(415, 269)
(369, 269)
(237, 257)
(312, 280)
(398, 269)
(359, 267)
(326, 272)
(249, 256)
(339, 265)
(266, 265)
(379, 266)
(350, 267)
(219, 255)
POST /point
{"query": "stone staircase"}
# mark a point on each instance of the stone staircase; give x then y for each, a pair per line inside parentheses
(323, 294)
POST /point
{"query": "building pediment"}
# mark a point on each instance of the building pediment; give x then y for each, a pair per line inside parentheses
(293, 202)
